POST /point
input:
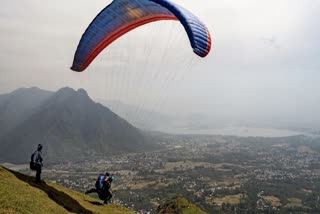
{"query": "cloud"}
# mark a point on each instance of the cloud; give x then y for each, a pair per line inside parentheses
(264, 53)
(271, 41)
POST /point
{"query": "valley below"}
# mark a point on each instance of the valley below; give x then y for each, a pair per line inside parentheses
(218, 173)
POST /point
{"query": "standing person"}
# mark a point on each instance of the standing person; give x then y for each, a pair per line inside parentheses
(102, 187)
(37, 161)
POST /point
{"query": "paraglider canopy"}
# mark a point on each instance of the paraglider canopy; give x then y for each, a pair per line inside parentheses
(122, 16)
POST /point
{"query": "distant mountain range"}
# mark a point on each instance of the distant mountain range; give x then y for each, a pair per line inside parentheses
(140, 117)
(150, 120)
(68, 123)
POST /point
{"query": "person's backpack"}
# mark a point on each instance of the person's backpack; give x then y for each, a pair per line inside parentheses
(32, 163)
(99, 182)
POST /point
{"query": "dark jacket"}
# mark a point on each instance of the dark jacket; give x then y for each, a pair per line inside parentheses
(37, 159)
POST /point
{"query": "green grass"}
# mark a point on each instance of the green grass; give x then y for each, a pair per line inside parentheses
(19, 194)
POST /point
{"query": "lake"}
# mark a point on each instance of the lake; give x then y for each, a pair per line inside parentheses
(239, 131)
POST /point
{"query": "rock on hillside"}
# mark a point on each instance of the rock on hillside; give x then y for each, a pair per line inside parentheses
(179, 205)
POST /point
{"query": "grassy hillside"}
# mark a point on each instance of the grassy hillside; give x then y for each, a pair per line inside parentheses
(19, 194)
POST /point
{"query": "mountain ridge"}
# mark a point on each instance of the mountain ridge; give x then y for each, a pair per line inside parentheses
(71, 126)
(18, 105)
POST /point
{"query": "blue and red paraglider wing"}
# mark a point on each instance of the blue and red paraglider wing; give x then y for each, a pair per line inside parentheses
(122, 16)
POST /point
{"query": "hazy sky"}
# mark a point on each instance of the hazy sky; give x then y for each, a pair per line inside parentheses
(264, 63)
